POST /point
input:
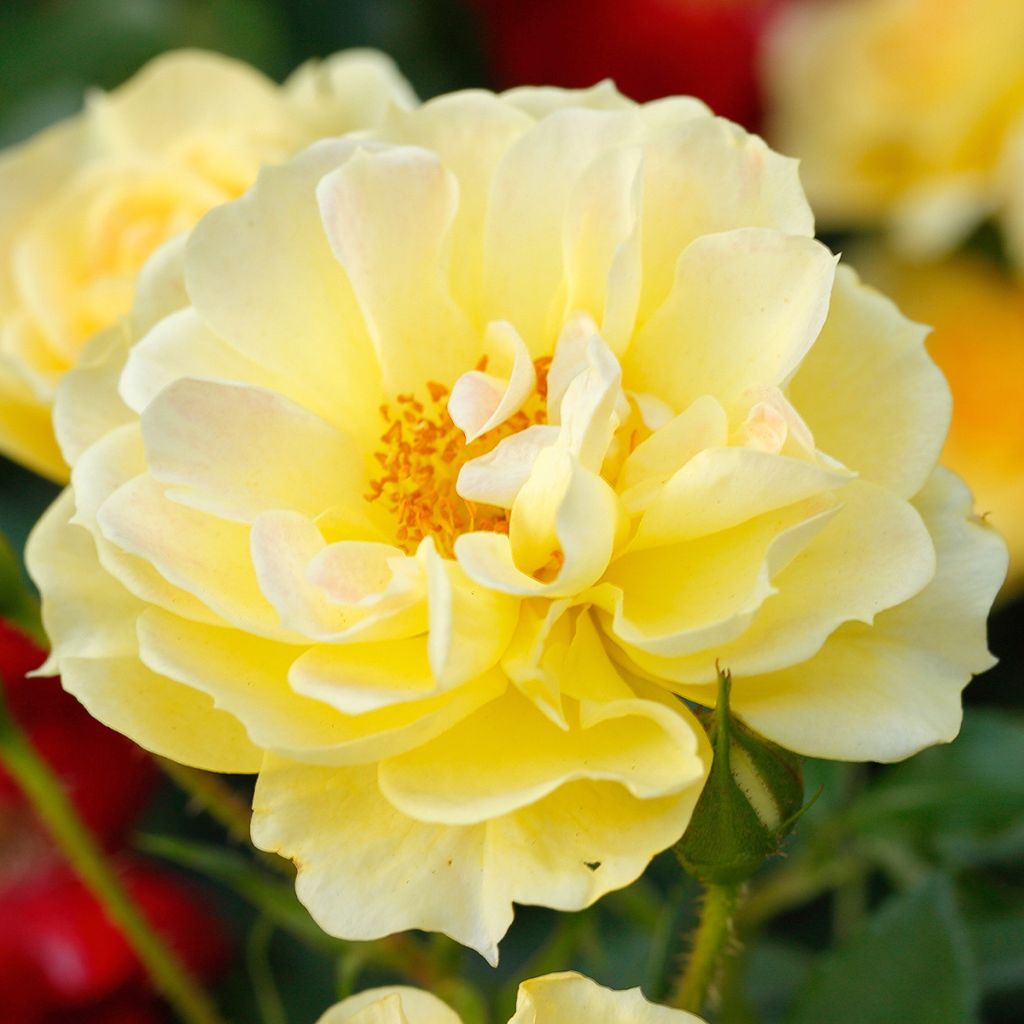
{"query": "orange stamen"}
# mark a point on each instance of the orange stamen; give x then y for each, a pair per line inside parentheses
(421, 454)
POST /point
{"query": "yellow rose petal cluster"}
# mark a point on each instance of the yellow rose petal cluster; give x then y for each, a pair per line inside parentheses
(84, 204)
(907, 114)
(428, 476)
(566, 998)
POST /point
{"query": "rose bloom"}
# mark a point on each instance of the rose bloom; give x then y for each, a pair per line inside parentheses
(83, 204)
(978, 316)
(901, 111)
(566, 998)
(427, 476)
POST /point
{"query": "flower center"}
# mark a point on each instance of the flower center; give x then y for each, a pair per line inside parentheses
(421, 453)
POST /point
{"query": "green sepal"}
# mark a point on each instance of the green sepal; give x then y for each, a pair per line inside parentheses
(751, 800)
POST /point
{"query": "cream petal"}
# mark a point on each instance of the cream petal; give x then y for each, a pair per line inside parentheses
(881, 692)
(588, 674)
(523, 260)
(601, 240)
(482, 401)
(28, 173)
(198, 553)
(570, 998)
(182, 346)
(568, 360)
(236, 451)
(53, 257)
(720, 488)
(543, 100)
(387, 215)
(703, 424)
(361, 572)
(585, 840)
(470, 626)
(870, 392)
(306, 581)
(163, 716)
(383, 1010)
(561, 508)
(260, 270)
(555, 654)
(509, 755)
(496, 477)
(366, 870)
(588, 409)
(704, 175)
(397, 1004)
(677, 600)
(772, 424)
(87, 405)
(745, 307)
(160, 285)
(357, 678)
(113, 461)
(245, 676)
(346, 91)
(874, 554)
(535, 657)
(399, 726)
(186, 93)
(86, 612)
(470, 131)
(566, 851)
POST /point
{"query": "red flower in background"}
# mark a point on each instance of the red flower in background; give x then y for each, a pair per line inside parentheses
(61, 960)
(651, 48)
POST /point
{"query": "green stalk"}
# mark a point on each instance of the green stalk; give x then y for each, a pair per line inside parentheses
(192, 1004)
(213, 795)
(710, 947)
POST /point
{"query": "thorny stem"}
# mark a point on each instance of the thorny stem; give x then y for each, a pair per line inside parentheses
(87, 860)
(710, 947)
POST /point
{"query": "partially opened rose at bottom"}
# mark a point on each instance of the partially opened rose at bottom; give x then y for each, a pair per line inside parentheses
(567, 998)
(425, 478)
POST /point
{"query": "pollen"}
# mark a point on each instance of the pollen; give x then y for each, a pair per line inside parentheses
(420, 454)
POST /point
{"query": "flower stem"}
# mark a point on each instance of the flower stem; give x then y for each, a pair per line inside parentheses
(212, 795)
(192, 1004)
(710, 947)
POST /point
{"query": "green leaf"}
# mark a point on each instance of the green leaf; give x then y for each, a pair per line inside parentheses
(960, 804)
(999, 952)
(911, 963)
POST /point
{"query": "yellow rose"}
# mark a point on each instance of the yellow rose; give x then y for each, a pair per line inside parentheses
(900, 111)
(85, 203)
(978, 318)
(427, 475)
(566, 998)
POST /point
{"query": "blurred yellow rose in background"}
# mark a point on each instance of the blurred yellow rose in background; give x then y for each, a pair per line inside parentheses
(428, 475)
(901, 111)
(977, 313)
(85, 203)
(566, 998)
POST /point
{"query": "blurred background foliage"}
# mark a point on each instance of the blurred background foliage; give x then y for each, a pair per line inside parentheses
(901, 896)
